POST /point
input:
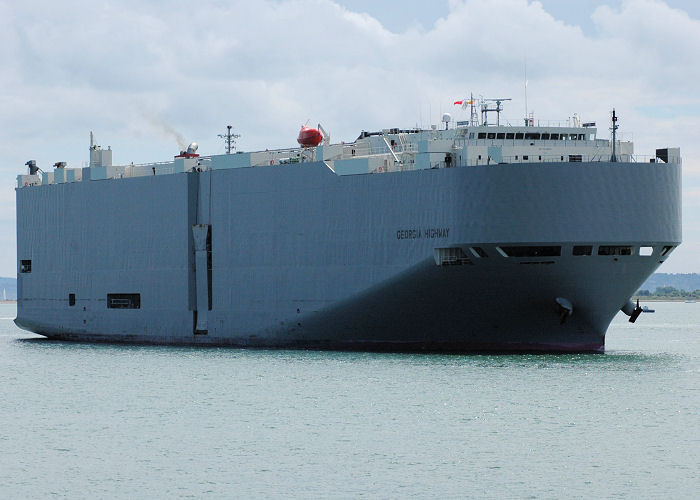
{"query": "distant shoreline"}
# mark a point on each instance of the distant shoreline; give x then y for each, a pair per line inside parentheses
(8, 301)
(642, 298)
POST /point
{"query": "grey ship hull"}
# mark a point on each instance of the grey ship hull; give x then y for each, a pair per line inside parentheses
(302, 258)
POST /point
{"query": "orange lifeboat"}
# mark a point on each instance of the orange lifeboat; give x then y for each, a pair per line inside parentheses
(309, 137)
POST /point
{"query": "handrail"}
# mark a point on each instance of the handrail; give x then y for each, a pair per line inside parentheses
(570, 158)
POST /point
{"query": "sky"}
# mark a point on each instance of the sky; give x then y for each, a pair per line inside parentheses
(140, 74)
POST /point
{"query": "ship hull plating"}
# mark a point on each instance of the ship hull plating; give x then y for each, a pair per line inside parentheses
(298, 257)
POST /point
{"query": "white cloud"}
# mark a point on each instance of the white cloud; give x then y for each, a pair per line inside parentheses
(125, 68)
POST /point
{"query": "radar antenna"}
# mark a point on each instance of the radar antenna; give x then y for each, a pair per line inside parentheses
(486, 109)
(229, 139)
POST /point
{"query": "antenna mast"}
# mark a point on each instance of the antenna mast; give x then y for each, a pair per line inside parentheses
(526, 116)
(471, 102)
(475, 115)
(614, 128)
(229, 139)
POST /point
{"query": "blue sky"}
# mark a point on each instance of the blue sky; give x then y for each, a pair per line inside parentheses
(136, 72)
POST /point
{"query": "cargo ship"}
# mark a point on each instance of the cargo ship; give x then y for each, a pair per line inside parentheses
(463, 237)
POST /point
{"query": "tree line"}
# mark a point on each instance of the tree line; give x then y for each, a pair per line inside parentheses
(669, 292)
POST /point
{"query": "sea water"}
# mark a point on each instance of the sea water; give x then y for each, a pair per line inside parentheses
(120, 421)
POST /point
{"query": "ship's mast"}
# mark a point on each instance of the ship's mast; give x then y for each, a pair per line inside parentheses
(475, 115)
(614, 128)
(229, 139)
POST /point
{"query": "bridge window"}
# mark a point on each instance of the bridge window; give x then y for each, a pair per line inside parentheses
(554, 137)
(510, 135)
(491, 135)
(519, 135)
(501, 135)
(25, 266)
(545, 137)
(482, 135)
(71, 299)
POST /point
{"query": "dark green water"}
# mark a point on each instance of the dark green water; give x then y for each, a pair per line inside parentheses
(107, 421)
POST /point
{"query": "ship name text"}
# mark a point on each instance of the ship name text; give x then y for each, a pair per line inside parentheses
(418, 233)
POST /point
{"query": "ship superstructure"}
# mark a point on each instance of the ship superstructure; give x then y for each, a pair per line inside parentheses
(389, 150)
(465, 236)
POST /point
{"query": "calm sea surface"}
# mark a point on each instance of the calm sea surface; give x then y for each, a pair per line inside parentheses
(109, 421)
